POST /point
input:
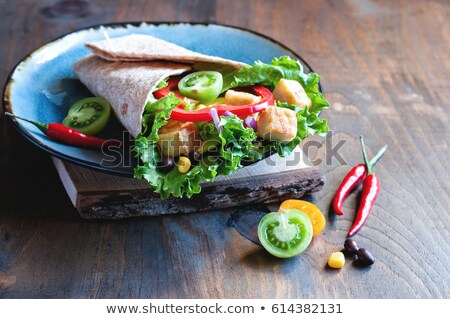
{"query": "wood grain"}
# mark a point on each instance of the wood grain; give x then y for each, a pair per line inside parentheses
(385, 67)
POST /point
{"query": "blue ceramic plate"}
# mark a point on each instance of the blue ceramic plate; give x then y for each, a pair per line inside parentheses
(43, 86)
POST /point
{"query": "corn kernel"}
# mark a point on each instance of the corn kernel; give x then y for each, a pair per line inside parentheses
(336, 260)
(184, 164)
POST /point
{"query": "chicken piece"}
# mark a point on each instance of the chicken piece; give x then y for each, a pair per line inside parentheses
(178, 138)
(291, 92)
(240, 98)
(277, 124)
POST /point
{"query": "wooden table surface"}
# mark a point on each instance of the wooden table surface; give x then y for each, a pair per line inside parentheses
(386, 71)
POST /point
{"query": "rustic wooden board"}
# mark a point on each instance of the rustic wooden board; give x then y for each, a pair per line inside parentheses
(99, 195)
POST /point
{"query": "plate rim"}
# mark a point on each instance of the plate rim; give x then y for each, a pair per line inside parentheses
(6, 105)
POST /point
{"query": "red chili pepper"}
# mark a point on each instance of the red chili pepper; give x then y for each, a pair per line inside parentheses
(370, 190)
(182, 115)
(351, 180)
(68, 135)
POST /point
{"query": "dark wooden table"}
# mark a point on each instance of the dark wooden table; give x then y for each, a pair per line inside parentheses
(386, 71)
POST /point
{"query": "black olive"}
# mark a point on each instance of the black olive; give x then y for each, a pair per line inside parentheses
(350, 247)
(195, 157)
(166, 164)
(365, 257)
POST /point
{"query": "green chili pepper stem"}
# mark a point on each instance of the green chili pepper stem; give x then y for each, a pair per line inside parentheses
(377, 157)
(366, 161)
(42, 126)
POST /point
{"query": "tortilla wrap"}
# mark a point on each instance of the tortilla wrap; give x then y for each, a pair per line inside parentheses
(142, 47)
(125, 71)
(125, 85)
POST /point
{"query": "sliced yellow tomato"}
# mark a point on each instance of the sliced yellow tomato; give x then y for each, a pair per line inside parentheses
(318, 221)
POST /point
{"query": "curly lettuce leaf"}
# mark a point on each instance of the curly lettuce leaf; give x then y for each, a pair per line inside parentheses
(157, 113)
(236, 142)
(155, 116)
(266, 74)
(308, 122)
(270, 74)
(145, 145)
(162, 84)
(177, 184)
(147, 152)
(173, 183)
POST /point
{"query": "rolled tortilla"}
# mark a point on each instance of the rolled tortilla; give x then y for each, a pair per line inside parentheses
(142, 47)
(125, 70)
(125, 85)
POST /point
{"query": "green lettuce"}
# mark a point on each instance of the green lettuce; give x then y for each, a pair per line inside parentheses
(162, 84)
(308, 122)
(233, 142)
(266, 74)
(146, 148)
(155, 116)
(270, 74)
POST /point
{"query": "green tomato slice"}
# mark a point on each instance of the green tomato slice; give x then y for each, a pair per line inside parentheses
(89, 115)
(287, 234)
(204, 86)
